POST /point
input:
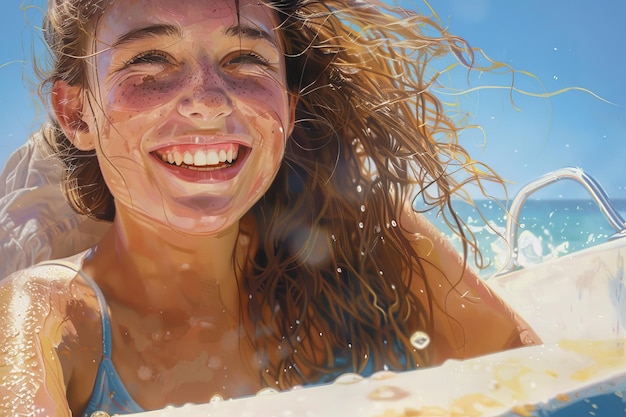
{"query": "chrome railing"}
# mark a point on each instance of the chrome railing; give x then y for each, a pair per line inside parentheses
(593, 187)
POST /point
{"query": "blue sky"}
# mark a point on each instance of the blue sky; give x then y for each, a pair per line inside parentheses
(565, 43)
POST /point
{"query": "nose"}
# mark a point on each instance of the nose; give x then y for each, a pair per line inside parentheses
(206, 99)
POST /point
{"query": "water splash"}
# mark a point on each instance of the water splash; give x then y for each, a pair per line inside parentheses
(420, 340)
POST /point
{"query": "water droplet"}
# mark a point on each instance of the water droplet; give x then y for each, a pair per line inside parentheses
(493, 385)
(214, 362)
(383, 375)
(420, 340)
(216, 398)
(144, 373)
(388, 393)
(348, 379)
(244, 240)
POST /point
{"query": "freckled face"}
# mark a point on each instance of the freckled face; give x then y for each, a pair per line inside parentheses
(189, 108)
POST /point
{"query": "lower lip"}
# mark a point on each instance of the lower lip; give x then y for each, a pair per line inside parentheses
(206, 176)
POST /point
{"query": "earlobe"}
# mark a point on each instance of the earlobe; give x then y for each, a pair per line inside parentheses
(67, 103)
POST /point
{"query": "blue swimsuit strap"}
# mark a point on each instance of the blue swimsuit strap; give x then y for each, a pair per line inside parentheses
(104, 313)
(102, 304)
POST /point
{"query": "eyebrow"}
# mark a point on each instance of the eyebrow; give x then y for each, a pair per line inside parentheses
(148, 32)
(172, 30)
(250, 32)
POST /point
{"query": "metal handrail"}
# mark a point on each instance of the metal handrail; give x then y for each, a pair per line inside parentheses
(593, 187)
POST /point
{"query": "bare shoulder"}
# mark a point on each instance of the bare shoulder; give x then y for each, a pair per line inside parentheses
(36, 324)
(467, 315)
(431, 243)
(37, 290)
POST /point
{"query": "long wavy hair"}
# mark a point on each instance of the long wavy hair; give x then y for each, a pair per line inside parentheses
(329, 286)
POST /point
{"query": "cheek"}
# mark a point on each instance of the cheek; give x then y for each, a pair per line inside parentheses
(142, 93)
(264, 104)
(133, 106)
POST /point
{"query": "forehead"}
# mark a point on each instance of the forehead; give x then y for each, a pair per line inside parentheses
(122, 16)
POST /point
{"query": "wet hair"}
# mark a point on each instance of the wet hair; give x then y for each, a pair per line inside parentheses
(329, 286)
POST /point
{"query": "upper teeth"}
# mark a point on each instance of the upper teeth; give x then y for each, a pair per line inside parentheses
(200, 158)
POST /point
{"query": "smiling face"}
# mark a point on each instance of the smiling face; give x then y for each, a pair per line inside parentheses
(188, 109)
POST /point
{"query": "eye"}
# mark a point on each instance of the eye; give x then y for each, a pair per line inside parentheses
(150, 58)
(248, 58)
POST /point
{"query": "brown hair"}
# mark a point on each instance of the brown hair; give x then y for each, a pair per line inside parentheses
(66, 32)
(330, 283)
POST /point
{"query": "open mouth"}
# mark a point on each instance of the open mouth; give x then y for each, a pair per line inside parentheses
(201, 159)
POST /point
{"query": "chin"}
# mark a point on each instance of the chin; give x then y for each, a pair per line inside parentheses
(203, 225)
(202, 215)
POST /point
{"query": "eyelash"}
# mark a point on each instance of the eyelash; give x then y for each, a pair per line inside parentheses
(149, 57)
(158, 57)
(249, 58)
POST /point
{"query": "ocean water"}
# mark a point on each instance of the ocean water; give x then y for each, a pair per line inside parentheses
(548, 228)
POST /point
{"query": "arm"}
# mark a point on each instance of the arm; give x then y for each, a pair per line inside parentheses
(31, 371)
(469, 319)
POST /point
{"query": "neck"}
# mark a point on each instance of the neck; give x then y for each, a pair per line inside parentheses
(154, 267)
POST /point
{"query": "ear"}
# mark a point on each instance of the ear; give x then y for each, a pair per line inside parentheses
(67, 103)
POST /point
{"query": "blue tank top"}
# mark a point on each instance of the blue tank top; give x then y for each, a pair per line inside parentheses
(109, 393)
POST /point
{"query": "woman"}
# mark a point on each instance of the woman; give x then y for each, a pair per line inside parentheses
(258, 163)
